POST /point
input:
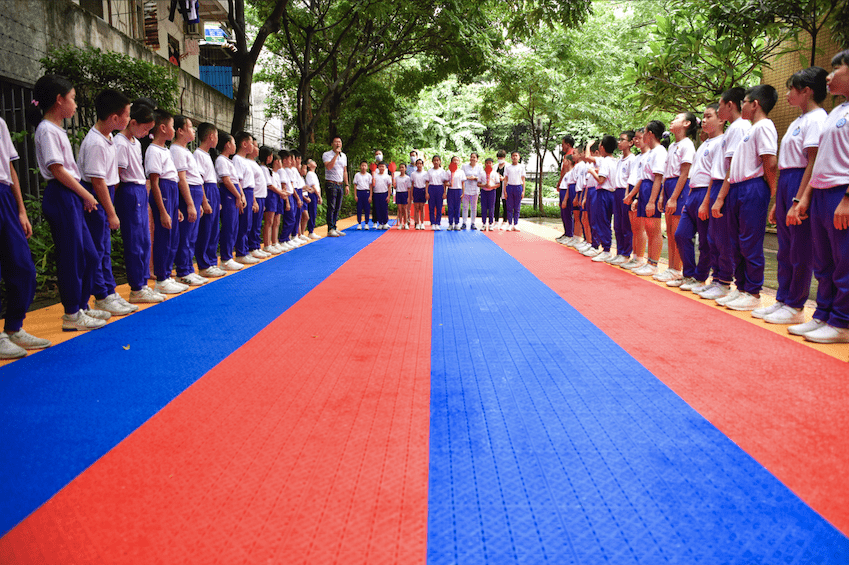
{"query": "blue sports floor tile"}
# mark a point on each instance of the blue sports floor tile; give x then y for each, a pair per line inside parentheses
(549, 443)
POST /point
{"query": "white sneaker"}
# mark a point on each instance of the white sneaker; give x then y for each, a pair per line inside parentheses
(618, 260)
(732, 295)
(574, 241)
(210, 272)
(26, 341)
(271, 249)
(583, 246)
(170, 286)
(333, 233)
(193, 279)
(679, 282)
(516, 227)
(690, 283)
(591, 252)
(766, 310)
(341, 233)
(360, 227)
(785, 315)
(80, 322)
(145, 295)
(434, 227)
(633, 263)
(97, 314)
(715, 290)
(665, 276)
(232, 265)
(218, 272)
(646, 270)
(807, 327)
(828, 334)
(9, 350)
(701, 287)
(112, 305)
(744, 303)
(246, 259)
(258, 254)
(313, 235)
(365, 227)
(304, 238)
(603, 256)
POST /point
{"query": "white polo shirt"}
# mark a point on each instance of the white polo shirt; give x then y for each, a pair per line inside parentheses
(456, 179)
(623, 171)
(157, 160)
(732, 138)
(803, 134)
(680, 152)
(636, 172)
(761, 139)
(470, 187)
(260, 181)
(205, 166)
(514, 174)
(420, 179)
(654, 163)
(403, 183)
(382, 182)
(334, 174)
(185, 161)
(52, 146)
(224, 167)
(8, 153)
(244, 172)
(312, 181)
(700, 171)
(607, 169)
(437, 176)
(832, 165)
(128, 155)
(362, 181)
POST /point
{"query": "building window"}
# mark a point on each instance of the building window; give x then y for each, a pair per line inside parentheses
(151, 25)
(173, 51)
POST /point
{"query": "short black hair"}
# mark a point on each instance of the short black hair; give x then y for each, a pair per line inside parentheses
(569, 139)
(813, 78)
(734, 95)
(161, 116)
(141, 112)
(501, 153)
(295, 153)
(594, 147)
(841, 58)
(629, 133)
(656, 128)
(609, 144)
(180, 121)
(364, 162)
(765, 94)
(108, 102)
(284, 154)
(264, 152)
(204, 130)
(240, 137)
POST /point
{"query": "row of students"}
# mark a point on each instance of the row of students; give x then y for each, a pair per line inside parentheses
(722, 192)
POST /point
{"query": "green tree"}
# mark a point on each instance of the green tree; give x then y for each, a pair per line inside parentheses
(448, 118)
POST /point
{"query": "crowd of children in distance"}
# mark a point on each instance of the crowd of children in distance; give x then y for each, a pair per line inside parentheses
(722, 192)
(218, 196)
(233, 195)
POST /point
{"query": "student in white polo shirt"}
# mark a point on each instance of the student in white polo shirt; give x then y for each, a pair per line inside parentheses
(190, 185)
(474, 173)
(206, 245)
(514, 175)
(381, 187)
(602, 212)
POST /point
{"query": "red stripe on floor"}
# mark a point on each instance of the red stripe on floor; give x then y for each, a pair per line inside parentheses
(307, 445)
(782, 402)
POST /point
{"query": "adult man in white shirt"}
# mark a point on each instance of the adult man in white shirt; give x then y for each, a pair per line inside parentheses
(336, 177)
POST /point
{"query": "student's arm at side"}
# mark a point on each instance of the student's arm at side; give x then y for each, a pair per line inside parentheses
(61, 174)
(345, 179)
(672, 203)
(651, 205)
(205, 206)
(799, 211)
(630, 196)
(716, 209)
(704, 207)
(186, 193)
(19, 200)
(102, 193)
(164, 218)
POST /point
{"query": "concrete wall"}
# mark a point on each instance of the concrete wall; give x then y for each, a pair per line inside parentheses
(31, 27)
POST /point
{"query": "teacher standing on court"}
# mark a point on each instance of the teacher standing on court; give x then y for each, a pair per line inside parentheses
(336, 177)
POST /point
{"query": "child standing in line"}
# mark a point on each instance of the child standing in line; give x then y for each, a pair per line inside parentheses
(273, 202)
(604, 197)
(676, 187)
(751, 184)
(297, 187)
(190, 184)
(381, 185)
(490, 181)
(232, 199)
(288, 217)
(314, 192)
(206, 246)
(579, 179)
(245, 174)
(515, 175)
(718, 229)
(260, 193)
(363, 186)
(437, 178)
(419, 178)
(99, 171)
(164, 203)
(806, 90)
(131, 198)
(306, 200)
(589, 193)
(695, 274)
(500, 194)
(828, 195)
(473, 172)
(650, 195)
(566, 198)
(403, 185)
(16, 264)
(455, 193)
(621, 219)
(638, 229)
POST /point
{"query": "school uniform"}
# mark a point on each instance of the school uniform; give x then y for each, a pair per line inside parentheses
(312, 207)
(362, 184)
(272, 199)
(287, 220)
(246, 177)
(420, 183)
(435, 192)
(16, 265)
(455, 195)
(580, 176)
(158, 161)
(224, 168)
(654, 163)
(206, 245)
(382, 183)
(750, 204)
(76, 255)
(489, 195)
(719, 229)
(131, 199)
(602, 210)
(563, 192)
(690, 223)
(297, 209)
(830, 180)
(515, 175)
(403, 185)
(621, 220)
(98, 160)
(470, 192)
(185, 161)
(261, 183)
(590, 190)
(794, 258)
(680, 152)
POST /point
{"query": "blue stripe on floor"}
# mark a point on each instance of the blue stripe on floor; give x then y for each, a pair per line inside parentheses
(550, 444)
(62, 409)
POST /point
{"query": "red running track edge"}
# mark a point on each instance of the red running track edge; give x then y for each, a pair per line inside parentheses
(783, 403)
(307, 445)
